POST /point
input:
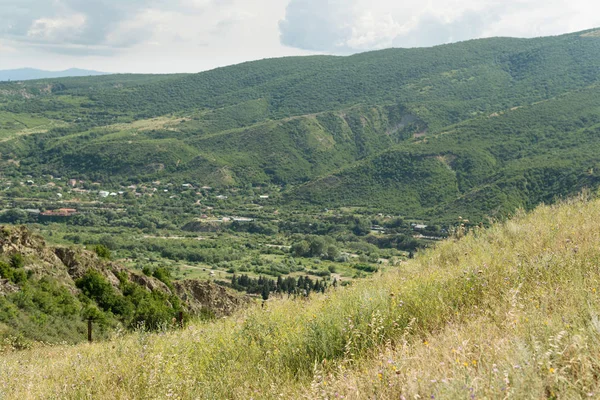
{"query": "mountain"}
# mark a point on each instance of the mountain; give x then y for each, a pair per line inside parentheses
(24, 74)
(508, 311)
(485, 126)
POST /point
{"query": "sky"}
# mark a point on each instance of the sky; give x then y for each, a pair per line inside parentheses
(163, 36)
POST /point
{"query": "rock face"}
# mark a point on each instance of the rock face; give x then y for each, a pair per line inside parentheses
(7, 288)
(200, 295)
(67, 264)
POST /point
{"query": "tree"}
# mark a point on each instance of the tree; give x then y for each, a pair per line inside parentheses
(332, 253)
(362, 227)
(102, 251)
(14, 216)
(317, 246)
(301, 249)
(265, 292)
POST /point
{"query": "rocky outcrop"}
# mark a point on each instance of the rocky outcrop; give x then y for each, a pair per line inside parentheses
(67, 264)
(7, 288)
(148, 282)
(21, 240)
(78, 262)
(199, 295)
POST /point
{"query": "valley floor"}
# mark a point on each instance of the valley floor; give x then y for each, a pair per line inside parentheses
(506, 312)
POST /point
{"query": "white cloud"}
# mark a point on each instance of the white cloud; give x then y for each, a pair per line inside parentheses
(192, 35)
(56, 29)
(372, 32)
(373, 24)
(5, 49)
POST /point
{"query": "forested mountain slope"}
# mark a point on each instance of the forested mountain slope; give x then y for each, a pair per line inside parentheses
(413, 131)
(493, 163)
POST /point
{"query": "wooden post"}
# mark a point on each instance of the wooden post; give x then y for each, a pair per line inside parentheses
(90, 330)
(181, 319)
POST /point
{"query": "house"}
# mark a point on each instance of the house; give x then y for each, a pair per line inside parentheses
(61, 212)
(241, 219)
(377, 228)
(221, 197)
(103, 193)
(72, 182)
(419, 227)
(264, 197)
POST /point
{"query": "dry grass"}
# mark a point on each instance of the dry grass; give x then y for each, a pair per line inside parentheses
(509, 312)
(168, 123)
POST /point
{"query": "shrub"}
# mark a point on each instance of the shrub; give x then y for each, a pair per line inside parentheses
(17, 261)
(102, 251)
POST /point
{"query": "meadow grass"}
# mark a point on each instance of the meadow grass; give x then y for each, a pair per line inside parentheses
(506, 312)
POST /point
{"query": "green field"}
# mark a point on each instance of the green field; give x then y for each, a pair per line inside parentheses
(15, 125)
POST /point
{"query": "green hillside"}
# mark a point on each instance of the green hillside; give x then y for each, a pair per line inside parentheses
(487, 165)
(48, 293)
(478, 126)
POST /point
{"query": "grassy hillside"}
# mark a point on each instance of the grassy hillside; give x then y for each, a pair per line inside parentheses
(511, 311)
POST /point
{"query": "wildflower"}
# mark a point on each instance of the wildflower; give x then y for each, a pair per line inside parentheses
(426, 343)
(551, 370)
(474, 362)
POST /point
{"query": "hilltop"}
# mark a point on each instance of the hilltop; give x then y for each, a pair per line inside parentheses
(507, 311)
(475, 126)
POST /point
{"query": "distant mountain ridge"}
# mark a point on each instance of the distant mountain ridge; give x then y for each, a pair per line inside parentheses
(24, 74)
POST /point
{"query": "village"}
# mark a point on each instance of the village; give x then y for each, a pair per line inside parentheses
(198, 231)
(55, 199)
